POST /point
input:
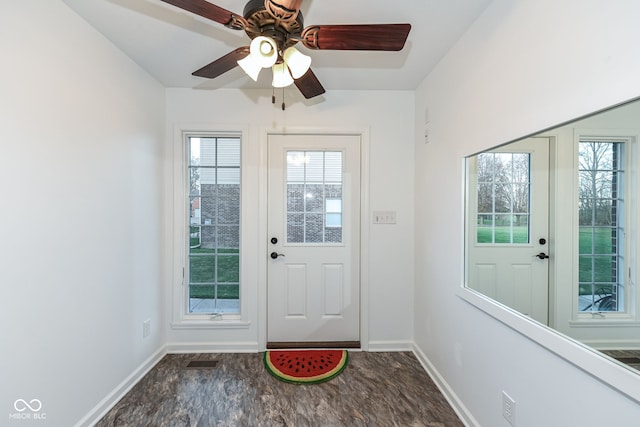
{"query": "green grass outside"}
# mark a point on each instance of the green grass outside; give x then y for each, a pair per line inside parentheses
(601, 238)
(602, 266)
(203, 273)
(503, 234)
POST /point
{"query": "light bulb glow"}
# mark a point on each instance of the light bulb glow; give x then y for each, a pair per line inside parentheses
(266, 48)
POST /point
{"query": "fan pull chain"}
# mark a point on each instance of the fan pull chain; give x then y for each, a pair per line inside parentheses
(283, 106)
(273, 98)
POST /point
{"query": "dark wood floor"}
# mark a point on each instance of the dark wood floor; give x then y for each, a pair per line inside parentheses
(376, 389)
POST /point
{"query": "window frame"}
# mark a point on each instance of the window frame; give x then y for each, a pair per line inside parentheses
(218, 252)
(629, 313)
(179, 295)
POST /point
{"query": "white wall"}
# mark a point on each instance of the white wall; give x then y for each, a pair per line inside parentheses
(387, 118)
(522, 67)
(81, 131)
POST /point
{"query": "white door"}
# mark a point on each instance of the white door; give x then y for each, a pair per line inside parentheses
(508, 226)
(314, 235)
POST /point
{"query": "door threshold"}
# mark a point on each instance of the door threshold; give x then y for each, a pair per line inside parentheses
(312, 344)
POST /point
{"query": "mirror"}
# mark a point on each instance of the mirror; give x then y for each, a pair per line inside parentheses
(551, 229)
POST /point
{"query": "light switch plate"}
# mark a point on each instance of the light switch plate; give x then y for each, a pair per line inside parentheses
(384, 217)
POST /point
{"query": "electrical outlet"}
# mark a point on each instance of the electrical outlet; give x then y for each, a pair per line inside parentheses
(509, 408)
(146, 328)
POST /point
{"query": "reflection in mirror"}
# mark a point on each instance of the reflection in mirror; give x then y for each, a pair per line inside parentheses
(551, 229)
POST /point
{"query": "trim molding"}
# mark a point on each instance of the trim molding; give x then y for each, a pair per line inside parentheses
(210, 324)
(382, 346)
(213, 347)
(453, 399)
(613, 344)
(110, 400)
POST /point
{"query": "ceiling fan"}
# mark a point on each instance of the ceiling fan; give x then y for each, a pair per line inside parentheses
(274, 27)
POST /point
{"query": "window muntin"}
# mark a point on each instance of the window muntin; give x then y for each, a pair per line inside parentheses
(503, 198)
(213, 267)
(601, 218)
(314, 197)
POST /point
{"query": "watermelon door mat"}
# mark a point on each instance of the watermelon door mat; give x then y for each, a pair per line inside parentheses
(305, 366)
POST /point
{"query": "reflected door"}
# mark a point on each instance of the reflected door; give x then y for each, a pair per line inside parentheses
(508, 226)
(314, 233)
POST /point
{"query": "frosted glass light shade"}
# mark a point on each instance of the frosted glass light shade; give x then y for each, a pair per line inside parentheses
(251, 67)
(297, 62)
(281, 75)
(264, 51)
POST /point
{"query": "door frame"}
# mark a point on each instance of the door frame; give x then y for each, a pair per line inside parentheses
(363, 133)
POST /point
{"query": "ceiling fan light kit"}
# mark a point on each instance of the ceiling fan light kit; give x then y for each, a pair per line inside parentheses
(251, 67)
(281, 76)
(298, 62)
(264, 51)
(274, 27)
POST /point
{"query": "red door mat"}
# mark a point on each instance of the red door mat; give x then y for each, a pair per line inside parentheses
(306, 366)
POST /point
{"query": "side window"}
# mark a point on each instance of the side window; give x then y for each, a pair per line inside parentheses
(602, 225)
(212, 270)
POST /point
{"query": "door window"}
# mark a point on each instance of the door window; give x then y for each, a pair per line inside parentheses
(314, 197)
(503, 194)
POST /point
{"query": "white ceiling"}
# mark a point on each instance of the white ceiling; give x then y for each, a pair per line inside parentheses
(170, 43)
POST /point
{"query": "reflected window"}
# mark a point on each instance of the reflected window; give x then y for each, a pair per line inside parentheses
(601, 211)
(503, 195)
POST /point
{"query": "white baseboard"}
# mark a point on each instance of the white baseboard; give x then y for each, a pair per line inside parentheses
(607, 344)
(213, 347)
(105, 405)
(380, 346)
(457, 405)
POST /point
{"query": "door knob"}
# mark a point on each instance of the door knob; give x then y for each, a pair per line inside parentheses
(275, 255)
(542, 255)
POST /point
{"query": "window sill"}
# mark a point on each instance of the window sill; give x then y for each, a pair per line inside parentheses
(209, 323)
(604, 323)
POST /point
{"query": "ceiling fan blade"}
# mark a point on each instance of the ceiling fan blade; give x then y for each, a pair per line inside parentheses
(309, 85)
(211, 11)
(223, 64)
(284, 10)
(388, 37)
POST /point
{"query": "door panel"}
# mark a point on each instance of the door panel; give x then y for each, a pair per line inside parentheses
(313, 218)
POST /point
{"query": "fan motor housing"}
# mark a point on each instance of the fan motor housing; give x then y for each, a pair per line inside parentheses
(262, 23)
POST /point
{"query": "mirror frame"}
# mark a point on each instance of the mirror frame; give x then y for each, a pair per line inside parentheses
(591, 361)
